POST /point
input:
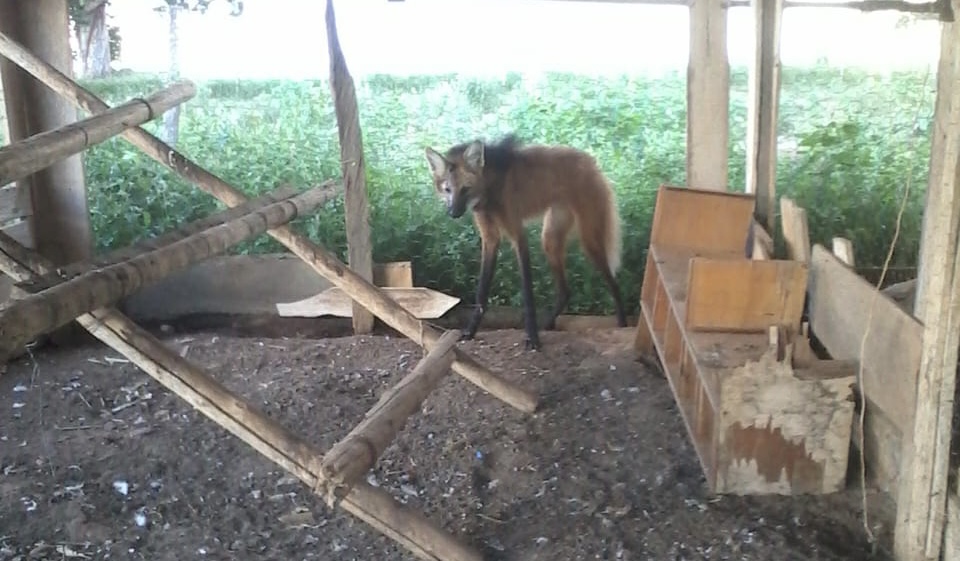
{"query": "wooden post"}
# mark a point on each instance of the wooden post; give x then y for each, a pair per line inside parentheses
(359, 248)
(374, 506)
(922, 489)
(762, 110)
(356, 453)
(321, 260)
(32, 154)
(708, 96)
(40, 313)
(60, 222)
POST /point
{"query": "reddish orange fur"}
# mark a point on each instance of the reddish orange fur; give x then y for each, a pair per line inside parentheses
(510, 186)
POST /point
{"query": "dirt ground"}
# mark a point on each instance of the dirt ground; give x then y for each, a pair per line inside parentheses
(98, 461)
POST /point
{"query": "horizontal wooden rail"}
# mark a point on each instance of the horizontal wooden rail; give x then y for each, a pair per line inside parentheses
(45, 311)
(43, 282)
(30, 155)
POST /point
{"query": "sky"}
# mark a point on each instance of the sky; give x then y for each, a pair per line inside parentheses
(286, 38)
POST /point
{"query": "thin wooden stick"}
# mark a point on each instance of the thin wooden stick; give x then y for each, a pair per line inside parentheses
(374, 506)
(356, 453)
(44, 282)
(32, 154)
(321, 260)
(45, 311)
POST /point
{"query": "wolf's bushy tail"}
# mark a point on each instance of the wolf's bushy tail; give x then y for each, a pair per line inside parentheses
(613, 242)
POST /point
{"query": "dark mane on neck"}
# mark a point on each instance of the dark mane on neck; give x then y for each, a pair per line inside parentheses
(497, 156)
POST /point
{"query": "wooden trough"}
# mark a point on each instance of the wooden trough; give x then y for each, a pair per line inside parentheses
(763, 413)
(48, 297)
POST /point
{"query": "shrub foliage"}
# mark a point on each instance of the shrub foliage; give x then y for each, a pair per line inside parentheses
(850, 142)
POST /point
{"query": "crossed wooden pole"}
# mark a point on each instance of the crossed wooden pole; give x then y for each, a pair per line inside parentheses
(48, 298)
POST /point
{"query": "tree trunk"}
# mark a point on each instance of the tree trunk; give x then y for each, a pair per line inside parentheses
(94, 43)
(171, 119)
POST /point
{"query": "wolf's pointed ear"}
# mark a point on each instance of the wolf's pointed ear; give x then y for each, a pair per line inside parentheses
(438, 165)
(473, 155)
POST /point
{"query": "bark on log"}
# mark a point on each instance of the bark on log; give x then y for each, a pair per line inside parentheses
(45, 311)
(22, 158)
(354, 455)
(44, 282)
(374, 506)
(321, 260)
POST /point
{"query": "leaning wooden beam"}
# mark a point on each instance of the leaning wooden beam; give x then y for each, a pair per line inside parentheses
(372, 505)
(320, 259)
(45, 311)
(356, 453)
(143, 246)
(356, 209)
(30, 155)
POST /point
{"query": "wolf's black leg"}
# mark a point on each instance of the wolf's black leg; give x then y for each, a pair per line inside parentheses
(488, 264)
(526, 283)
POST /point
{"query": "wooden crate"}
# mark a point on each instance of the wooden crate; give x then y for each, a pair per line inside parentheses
(764, 415)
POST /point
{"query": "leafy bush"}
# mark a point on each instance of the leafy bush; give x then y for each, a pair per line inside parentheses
(849, 145)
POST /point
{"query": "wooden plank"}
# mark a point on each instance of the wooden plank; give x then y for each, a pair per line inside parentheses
(796, 232)
(951, 537)
(839, 307)
(921, 496)
(359, 247)
(423, 303)
(701, 220)
(742, 295)
(882, 449)
(14, 203)
(398, 274)
(782, 430)
(757, 424)
(763, 97)
(762, 242)
(708, 96)
(21, 233)
(843, 249)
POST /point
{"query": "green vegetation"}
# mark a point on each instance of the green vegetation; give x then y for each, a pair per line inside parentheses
(852, 136)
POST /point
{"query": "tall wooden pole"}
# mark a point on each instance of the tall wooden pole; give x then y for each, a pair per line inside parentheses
(708, 96)
(60, 218)
(764, 100)
(922, 492)
(359, 249)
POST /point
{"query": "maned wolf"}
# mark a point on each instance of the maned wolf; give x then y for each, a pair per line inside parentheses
(507, 185)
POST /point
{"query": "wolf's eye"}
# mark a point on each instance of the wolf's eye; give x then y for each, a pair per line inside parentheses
(446, 188)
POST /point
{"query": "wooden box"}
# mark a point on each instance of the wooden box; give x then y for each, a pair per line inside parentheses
(764, 415)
